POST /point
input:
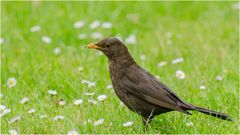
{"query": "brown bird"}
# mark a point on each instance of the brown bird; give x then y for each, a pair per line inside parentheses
(140, 91)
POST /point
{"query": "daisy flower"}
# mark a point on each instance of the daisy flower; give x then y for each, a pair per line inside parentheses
(109, 86)
(43, 116)
(169, 34)
(1, 41)
(78, 24)
(131, 39)
(57, 50)
(202, 87)
(73, 132)
(2, 107)
(143, 57)
(161, 64)
(219, 78)
(13, 132)
(236, 5)
(98, 122)
(46, 39)
(189, 124)
(61, 102)
(35, 28)
(4, 112)
(1, 95)
(15, 119)
(52, 92)
(180, 74)
(24, 100)
(78, 102)
(80, 68)
(178, 60)
(94, 24)
(58, 117)
(82, 36)
(31, 111)
(92, 101)
(106, 25)
(101, 97)
(128, 124)
(12, 82)
(89, 93)
(96, 35)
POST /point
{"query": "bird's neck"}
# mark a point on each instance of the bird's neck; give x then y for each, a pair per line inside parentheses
(123, 61)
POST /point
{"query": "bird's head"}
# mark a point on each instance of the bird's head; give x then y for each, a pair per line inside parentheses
(111, 47)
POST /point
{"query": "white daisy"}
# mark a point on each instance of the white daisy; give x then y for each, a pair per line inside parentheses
(4, 112)
(57, 50)
(2, 107)
(109, 86)
(219, 78)
(236, 5)
(99, 53)
(1, 41)
(121, 104)
(119, 38)
(78, 102)
(52, 92)
(131, 39)
(162, 63)
(15, 119)
(101, 97)
(180, 74)
(89, 93)
(12, 82)
(35, 28)
(143, 57)
(189, 124)
(94, 24)
(24, 100)
(82, 36)
(128, 124)
(169, 42)
(80, 68)
(169, 34)
(92, 101)
(158, 77)
(202, 87)
(73, 132)
(46, 39)
(1, 95)
(96, 35)
(78, 24)
(13, 132)
(62, 102)
(178, 60)
(31, 111)
(90, 84)
(89, 121)
(58, 117)
(133, 17)
(98, 122)
(43, 116)
(107, 25)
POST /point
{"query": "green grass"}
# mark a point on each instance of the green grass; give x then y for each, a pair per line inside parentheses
(205, 34)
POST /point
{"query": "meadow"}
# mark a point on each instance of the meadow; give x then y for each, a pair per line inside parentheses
(50, 82)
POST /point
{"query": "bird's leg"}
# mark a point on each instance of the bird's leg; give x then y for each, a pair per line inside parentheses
(146, 121)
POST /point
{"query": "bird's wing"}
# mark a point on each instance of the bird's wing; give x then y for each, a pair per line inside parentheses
(145, 86)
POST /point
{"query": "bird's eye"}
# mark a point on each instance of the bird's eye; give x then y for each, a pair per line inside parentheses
(107, 45)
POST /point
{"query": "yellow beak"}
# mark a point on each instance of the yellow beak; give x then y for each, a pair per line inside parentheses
(93, 46)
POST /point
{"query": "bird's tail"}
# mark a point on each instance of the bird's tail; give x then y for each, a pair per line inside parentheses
(213, 113)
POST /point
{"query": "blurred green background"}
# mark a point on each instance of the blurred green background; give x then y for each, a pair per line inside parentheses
(204, 34)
